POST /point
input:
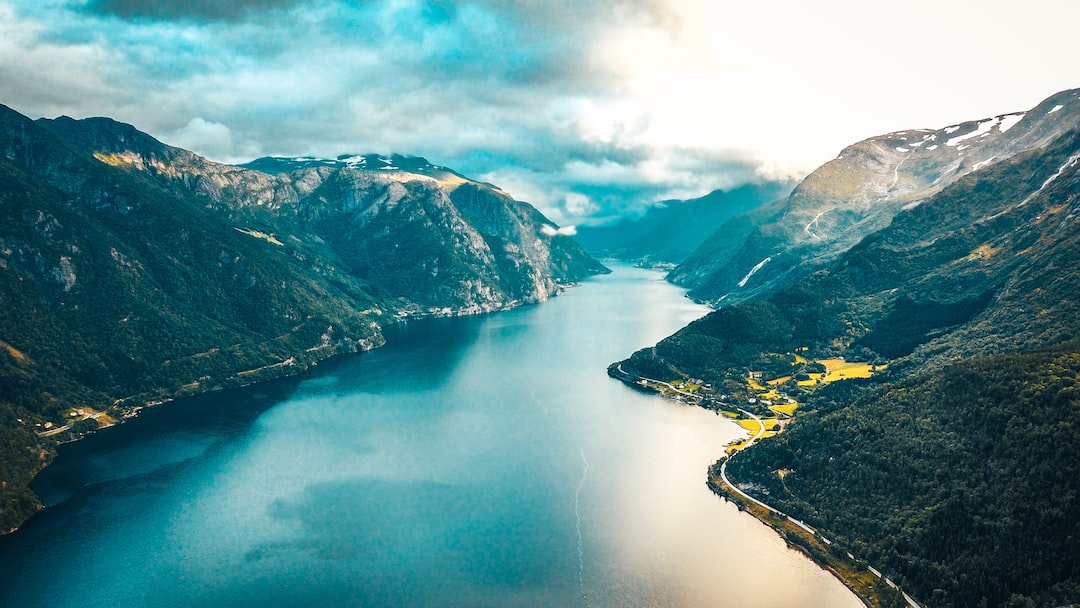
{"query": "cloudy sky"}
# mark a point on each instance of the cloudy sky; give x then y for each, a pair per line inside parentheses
(587, 111)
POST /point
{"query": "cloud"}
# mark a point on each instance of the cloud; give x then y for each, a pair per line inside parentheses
(589, 113)
(199, 10)
(553, 231)
(213, 139)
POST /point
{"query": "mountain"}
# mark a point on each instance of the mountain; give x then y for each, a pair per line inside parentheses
(953, 468)
(672, 230)
(132, 272)
(856, 194)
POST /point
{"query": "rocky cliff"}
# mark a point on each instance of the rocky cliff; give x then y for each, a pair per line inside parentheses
(133, 272)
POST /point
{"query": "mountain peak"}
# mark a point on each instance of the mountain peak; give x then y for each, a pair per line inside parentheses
(394, 164)
(861, 191)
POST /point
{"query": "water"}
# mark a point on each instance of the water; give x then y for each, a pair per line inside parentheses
(483, 461)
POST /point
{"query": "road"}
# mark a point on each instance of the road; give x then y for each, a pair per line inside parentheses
(727, 482)
(723, 475)
(61, 429)
(681, 392)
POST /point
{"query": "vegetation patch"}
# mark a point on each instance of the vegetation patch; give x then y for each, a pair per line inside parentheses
(750, 424)
(261, 235)
(967, 522)
(786, 409)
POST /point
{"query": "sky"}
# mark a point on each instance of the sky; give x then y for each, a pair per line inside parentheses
(590, 111)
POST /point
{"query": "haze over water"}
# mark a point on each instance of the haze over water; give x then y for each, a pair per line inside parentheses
(484, 461)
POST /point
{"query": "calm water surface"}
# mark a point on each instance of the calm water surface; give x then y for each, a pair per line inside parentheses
(484, 461)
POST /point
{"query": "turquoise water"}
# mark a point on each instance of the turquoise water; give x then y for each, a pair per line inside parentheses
(485, 461)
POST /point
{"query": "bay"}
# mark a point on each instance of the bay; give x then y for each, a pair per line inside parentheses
(481, 461)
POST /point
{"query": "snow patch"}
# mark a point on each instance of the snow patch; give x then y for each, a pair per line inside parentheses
(1073, 160)
(902, 149)
(756, 268)
(983, 128)
(933, 147)
(917, 144)
(817, 217)
(910, 206)
(980, 165)
(951, 130)
(1009, 121)
(1055, 109)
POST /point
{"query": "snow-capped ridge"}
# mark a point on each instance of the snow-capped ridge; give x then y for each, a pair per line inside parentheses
(860, 191)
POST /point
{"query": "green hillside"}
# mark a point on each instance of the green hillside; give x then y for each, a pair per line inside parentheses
(952, 467)
(133, 273)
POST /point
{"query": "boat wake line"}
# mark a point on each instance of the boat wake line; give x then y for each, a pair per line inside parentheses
(580, 536)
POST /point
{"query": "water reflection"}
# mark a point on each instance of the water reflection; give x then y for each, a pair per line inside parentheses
(484, 461)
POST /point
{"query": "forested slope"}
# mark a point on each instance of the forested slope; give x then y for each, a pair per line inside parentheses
(132, 272)
(961, 484)
(955, 467)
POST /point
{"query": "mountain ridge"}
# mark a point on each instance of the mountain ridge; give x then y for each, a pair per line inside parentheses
(133, 272)
(953, 462)
(856, 194)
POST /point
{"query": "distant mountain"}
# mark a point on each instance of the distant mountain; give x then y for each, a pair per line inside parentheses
(133, 272)
(389, 165)
(856, 194)
(672, 230)
(956, 470)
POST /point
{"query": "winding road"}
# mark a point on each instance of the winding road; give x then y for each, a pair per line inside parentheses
(723, 475)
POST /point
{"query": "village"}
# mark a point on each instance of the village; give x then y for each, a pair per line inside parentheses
(760, 402)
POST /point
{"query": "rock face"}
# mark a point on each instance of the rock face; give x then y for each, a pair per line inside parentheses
(133, 272)
(857, 194)
(422, 235)
(971, 296)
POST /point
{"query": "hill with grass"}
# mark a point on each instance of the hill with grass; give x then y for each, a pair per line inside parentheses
(951, 463)
(132, 272)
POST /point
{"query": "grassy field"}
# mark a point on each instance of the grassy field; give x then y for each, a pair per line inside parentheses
(750, 425)
(838, 369)
(787, 410)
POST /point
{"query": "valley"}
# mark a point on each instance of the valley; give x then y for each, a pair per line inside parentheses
(892, 345)
(134, 273)
(657, 304)
(956, 324)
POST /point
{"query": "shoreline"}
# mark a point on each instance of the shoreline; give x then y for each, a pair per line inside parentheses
(288, 368)
(872, 588)
(797, 535)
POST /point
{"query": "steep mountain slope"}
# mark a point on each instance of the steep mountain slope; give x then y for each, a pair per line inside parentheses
(671, 231)
(960, 485)
(856, 194)
(955, 469)
(133, 272)
(352, 205)
(985, 266)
